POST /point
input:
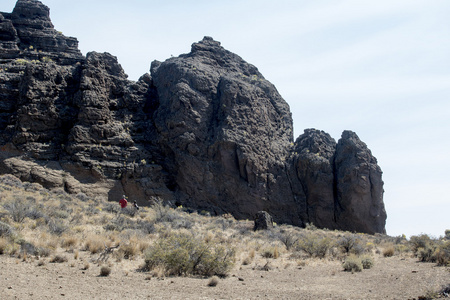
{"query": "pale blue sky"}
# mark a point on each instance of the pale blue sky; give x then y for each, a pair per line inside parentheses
(379, 68)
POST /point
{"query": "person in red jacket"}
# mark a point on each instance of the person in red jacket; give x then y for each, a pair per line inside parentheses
(123, 202)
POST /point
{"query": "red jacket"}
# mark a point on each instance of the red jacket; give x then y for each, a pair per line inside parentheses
(123, 202)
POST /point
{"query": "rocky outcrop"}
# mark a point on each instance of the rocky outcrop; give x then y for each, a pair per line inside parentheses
(359, 186)
(28, 32)
(263, 221)
(204, 130)
(224, 125)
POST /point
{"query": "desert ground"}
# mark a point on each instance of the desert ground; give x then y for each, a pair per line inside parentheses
(390, 278)
(59, 246)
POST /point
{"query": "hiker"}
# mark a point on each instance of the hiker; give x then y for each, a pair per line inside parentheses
(123, 202)
(135, 205)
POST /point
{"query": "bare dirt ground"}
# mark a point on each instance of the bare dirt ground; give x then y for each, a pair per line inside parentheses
(390, 278)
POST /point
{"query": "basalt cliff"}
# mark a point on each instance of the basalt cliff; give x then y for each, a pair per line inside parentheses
(204, 130)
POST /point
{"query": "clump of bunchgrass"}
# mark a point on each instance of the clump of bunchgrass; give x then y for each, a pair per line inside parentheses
(270, 252)
(105, 271)
(214, 281)
(95, 244)
(389, 251)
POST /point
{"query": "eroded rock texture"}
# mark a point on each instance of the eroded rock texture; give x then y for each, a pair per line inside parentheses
(204, 129)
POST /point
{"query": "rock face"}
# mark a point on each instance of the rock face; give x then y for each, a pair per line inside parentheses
(204, 130)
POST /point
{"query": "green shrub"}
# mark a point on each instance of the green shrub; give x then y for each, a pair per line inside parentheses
(351, 243)
(442, 254)
(314, 244)
(447, 234)
(367, 262)
(425, 254)
(183, 254)
(353, 264)
(419, 241)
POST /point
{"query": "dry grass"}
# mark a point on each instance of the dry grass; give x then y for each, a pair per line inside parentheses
(95, 243)
(389, 251)
(4, 243)
(54, 223)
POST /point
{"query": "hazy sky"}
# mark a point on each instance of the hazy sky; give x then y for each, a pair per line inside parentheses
(379, 68)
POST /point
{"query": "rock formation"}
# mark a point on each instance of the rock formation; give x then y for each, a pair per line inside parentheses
(204, 130)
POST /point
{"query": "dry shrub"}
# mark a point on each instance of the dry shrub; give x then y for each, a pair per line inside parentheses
(270, 252)
(442, 254)
(17, 208)
(419, 241)
(267, 267)
(143, 246)
(59, 259)
(353, 264)
(351, 243)
(214, 281)
(129, 250)
(402, 248)
(86, 266)
(95, 244)
(6, 230)
(389, 251)
(367, 262)
(4, 243)
(288, 238)
(183, 254)
(252, 254)
(69, 242)
(314, 244)
(105, 271)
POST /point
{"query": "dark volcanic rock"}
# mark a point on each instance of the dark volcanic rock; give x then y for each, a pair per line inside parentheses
(315, 170)
(205, 130)
(263, 221)
(224, 125)
(359, 186)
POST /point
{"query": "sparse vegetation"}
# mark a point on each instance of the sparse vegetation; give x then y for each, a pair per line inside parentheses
(353, 264)
(165, 241)
(314, 244)
(367, 262)
(389, 251)
(184, 254)
(105, 271)
(59, 259)
(214, 281)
